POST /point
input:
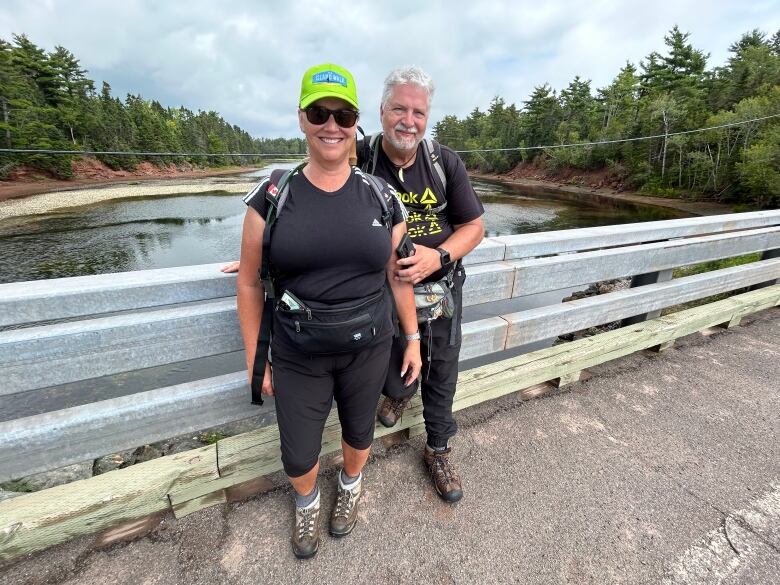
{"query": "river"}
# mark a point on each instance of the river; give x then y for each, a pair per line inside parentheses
(160, 232)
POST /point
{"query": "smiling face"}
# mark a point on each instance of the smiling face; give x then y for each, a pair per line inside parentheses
(405, 116)
(328, 142)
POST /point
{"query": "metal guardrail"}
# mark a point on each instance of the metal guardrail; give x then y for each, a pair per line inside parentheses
(185, 482)
(124, 322)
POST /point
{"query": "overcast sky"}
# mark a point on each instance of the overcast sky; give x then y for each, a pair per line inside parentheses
(245, 59)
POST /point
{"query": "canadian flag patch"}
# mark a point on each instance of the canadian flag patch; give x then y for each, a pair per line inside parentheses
(272, 190)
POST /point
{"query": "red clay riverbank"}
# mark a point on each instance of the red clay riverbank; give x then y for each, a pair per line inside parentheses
(588, 192)
(91, 173)
(25, 182)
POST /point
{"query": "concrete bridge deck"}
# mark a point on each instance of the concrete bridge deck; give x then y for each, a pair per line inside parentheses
(658, 469)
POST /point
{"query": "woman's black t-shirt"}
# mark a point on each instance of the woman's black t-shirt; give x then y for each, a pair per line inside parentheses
(329, 247)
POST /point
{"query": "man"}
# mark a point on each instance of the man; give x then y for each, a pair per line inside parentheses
(444, 224)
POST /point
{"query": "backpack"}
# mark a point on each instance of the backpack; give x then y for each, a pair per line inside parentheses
(368, 153)
(276, 196)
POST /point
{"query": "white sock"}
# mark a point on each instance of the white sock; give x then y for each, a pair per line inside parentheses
(353, 481)
(309, 500)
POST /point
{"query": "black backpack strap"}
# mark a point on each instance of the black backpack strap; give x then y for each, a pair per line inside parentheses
(374, 144)
(368, 151)
(261, 352)
(275, 196)
(435, 163)
(385, 194)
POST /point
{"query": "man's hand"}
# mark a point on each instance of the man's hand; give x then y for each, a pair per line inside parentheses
(425, 262)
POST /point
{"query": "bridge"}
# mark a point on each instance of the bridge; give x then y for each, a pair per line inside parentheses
(61, 333)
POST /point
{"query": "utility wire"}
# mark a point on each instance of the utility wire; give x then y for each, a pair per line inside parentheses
(289, 155)
(619, 140)
(121, 153)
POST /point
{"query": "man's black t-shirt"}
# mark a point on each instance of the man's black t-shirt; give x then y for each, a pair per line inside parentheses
(419, 192)
(329, 247)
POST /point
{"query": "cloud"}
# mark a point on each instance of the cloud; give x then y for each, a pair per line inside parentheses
(244, 59)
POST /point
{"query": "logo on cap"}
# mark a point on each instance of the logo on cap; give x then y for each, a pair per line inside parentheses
(329, 77)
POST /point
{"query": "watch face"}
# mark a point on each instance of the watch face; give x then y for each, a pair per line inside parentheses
(445, 256)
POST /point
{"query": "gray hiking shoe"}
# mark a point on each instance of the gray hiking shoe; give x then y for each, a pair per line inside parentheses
(306, 531)
(344, 515)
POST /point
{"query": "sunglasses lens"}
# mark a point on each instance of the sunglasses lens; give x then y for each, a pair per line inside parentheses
(345, 118)
(318, 115)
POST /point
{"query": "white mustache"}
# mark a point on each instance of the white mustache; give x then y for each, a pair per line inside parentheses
(402, 128)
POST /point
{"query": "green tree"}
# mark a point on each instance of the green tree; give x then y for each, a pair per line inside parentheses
(759, 169)
(542, 114)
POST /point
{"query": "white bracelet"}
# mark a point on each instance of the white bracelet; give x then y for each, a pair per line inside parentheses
(413, 336)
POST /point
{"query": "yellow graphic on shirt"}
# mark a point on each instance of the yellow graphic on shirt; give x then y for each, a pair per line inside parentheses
(428, 198)
(421, 222)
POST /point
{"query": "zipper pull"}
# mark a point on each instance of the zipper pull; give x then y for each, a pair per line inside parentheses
(308, 313)
(297, 326)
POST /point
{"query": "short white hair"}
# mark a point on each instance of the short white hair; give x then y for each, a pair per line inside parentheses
(407, 75)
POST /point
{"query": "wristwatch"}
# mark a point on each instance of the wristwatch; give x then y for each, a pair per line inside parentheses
(413, 336)
(445, 256)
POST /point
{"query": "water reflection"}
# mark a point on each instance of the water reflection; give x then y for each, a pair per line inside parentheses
(510, 210)
(136, 234)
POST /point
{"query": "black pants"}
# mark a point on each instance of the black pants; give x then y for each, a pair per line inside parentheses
(304, 389)
(439, 376)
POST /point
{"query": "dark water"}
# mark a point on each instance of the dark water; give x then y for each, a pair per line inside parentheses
(511, 210)
(136, 234)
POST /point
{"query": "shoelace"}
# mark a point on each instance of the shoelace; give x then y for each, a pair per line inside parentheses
(398, 406)
(306, 524)
(344, 503)
(442, 466)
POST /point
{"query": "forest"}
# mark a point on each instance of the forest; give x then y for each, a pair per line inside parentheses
(48, 102)
(668, 92)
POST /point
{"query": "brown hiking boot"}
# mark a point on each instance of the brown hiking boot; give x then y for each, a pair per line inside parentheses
(444, 476)
(306, 531)
(391, 410)
(344, 515)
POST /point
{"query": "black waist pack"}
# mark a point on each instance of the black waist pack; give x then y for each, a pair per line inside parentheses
(319, 329)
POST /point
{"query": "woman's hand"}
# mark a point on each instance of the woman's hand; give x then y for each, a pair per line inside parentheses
(268, 385)
(412, 362)
(230, 267)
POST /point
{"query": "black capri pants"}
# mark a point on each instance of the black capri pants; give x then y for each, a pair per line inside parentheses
(304, 389)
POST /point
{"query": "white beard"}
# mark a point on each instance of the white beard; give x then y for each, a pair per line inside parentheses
(403, 143)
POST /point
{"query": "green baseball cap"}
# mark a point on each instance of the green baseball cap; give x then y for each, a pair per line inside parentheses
(327, 80)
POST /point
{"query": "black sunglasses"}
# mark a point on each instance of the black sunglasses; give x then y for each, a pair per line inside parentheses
(318, 115)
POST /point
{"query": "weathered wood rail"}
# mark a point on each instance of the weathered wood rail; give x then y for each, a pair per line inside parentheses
(75, 329)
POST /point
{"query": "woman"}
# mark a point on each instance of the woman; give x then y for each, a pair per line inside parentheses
(331, 259)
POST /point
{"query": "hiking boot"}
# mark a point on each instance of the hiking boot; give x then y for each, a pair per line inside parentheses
(306, 532)
(444, 476)
(344, 515)
(391, 410)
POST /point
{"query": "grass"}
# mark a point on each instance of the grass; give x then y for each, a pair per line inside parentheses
(715, 265)
(210, 438)
(708, 267)
(17, 485)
